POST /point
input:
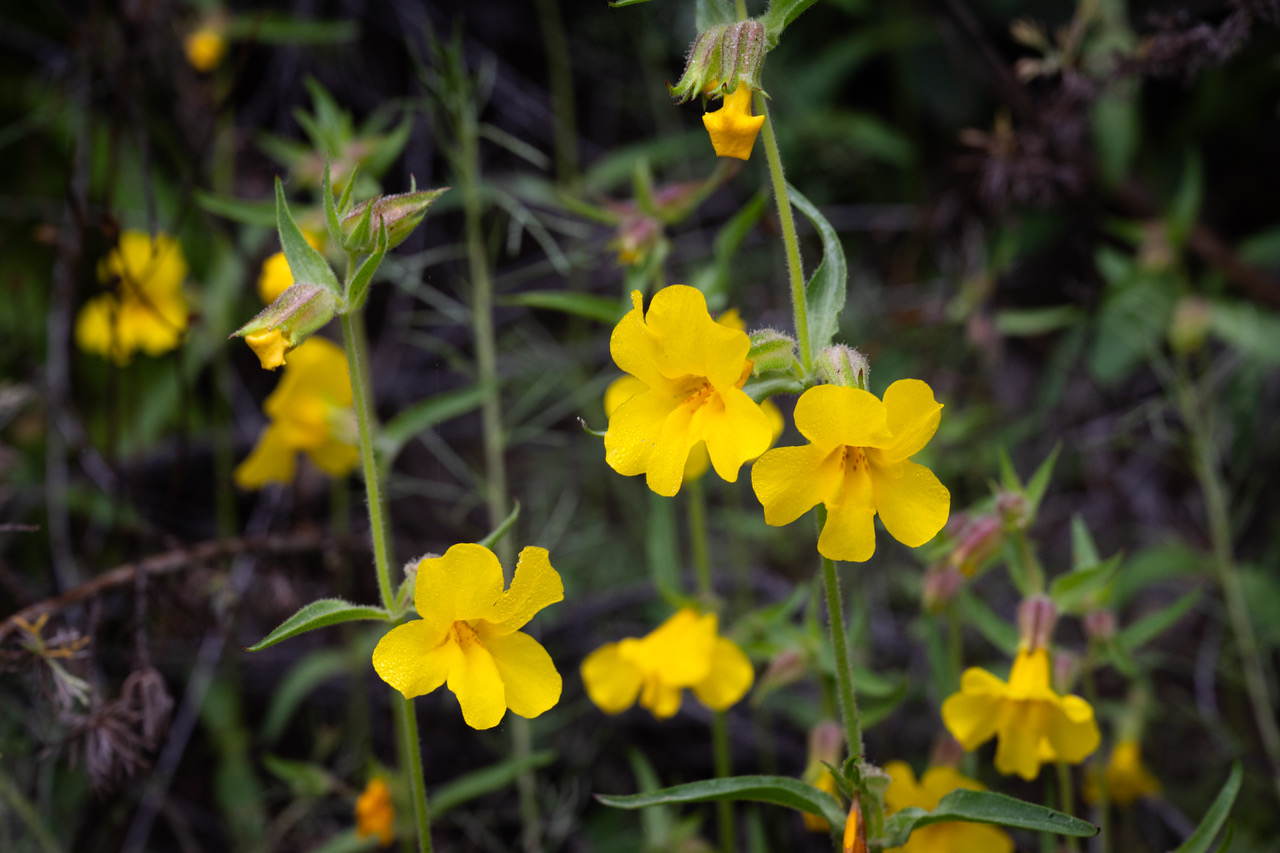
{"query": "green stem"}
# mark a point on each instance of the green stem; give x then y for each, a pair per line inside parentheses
(1066, 800)
(357, 348)
(724, 769)
(790, 240)
(840, 648)
(697, 506)
(412, 757)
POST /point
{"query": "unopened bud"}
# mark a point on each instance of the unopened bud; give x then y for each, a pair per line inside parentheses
(1190, 324)
(1066, 669)
(399, 213)
(286, 322)
(636, 236)
(844, 365)
(976, 542)
(1100, 625)
(941, 583)
(1037, 616)
(826, 743)
(855, 830)
(723, 58)
(787, 667)
(1014, 509)
(771, 350)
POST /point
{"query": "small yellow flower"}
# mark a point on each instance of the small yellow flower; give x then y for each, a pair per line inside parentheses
(205, 48)
(733, 128)
(276, 277)
(952, 837)
(310, 410)
(693, 370)
(1033, 723)
(375, 813)
(268, 346)
(1126, 777)
(145, 310)
(856, 464)
(684, 651)
(469, 635)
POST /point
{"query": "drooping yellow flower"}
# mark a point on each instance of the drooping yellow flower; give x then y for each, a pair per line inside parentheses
(145, 310)
(857, 465)
(469, 635)
(205, 48)
(733, 128)
(310, 410)
(684, 651)
(693, 370)
(951, 837)
(376, 813)
(1126, 777)
(625, 387)
(276, 277)
(1033, 723)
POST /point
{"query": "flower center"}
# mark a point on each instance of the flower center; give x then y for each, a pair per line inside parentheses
(854, 459)
(695, 390)
(464, 635)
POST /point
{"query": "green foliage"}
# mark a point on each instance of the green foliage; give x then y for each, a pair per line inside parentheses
(984, 807)
(777, 790)
(825, 292)
(1216, 816)
(319, 614)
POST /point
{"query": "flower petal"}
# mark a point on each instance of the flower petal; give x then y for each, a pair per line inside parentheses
(611, 681)
(789, 481)
(272, 460)
(529, 678)
(729, 678)
(635, 347)
(911, 501)
(662, 700)
(664, 472)
(679, 649)
(633, 429)
(461, 585)
(1072, 731)
(691, 343)
(970, 715)
(534, 586)
(903, 792)
(849, 533)
(415, 659)
(831, 415)
(620, 391)
(913, 416)
(477, 684)
(1020, 727)
(736, 431)
(335, 458)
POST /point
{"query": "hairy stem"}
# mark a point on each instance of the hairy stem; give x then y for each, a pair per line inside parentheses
(840, 648)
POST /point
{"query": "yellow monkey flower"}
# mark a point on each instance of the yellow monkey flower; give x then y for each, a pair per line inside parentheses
(733, 128)
(375, 812)
(1033, 723)
(684, 651)
(693, 370)
(951, 837)
(310, 410)
(857, 465)
(1126, 777)
(145, 310)
(469, 635)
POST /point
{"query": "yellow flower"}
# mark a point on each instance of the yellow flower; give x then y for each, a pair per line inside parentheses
(375, 813)
(693, 371)
(145, 310)
(1034, 724)
(468, 635)
(824, 782)
(310, 410)
(276, 277)
(733, 128)
(205, 48)
(856, 464)
(952, 837)
(1126, 777)
(685, 651)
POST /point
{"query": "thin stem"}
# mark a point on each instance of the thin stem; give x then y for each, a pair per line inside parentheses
(411, 751)
(697, 506)
(724, 769)
(840, 648)
(357, 348)
(1066, 800)
(790, 240)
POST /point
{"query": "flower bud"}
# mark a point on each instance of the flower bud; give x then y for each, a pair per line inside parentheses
(826, 742)
(1100, 625)
(941, 583)
(399, 213)
(1014, 509)
(636, 236)
(1036, 618)
(771, 350)
(1190, 324)
(787, 667)
(976, 542)
(855, 830)
(287, 322)
(723, 58)
(844, 365)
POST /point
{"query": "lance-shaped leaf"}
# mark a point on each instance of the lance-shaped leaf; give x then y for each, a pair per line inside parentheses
(1216, 816)
(824, 295)
(983, 807)
(320, 614)
(305, 263)
(779, 790)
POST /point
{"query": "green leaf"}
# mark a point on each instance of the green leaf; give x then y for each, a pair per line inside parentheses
(306, 675)
(330, 207)
(766, 386)
(1083, 552)
(778, 790)
(1216, 816)
(618, 4)
(271, 28)
(1074, 591)
(502, 529)
(1251, 330)
(359, 288)
(983, 807)
(780, 15)
(477, 783)
(713, 13)
(605, 310)
(1185, 207)
(1039, 482)
(305, 780)
(997, 631)
(825, 293)
(662, 549)
(305, 263)
(320, 614)
(1116, 129)
(1149, 627)
(1030, 322)
(261, 213)
(424, 415)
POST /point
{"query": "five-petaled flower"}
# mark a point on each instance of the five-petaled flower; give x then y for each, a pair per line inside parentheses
(469, 635)
(950, 837)
(857, 465)
(684, 651)
(733, 128)
(1126, 777)
(145, 310)
(376, 813)
(693, 370)
(1033, 723)
(310, 410)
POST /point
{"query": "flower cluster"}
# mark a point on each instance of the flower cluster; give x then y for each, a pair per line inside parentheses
(684, 651)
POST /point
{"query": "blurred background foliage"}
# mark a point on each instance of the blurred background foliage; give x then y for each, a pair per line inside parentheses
(1062, 218)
